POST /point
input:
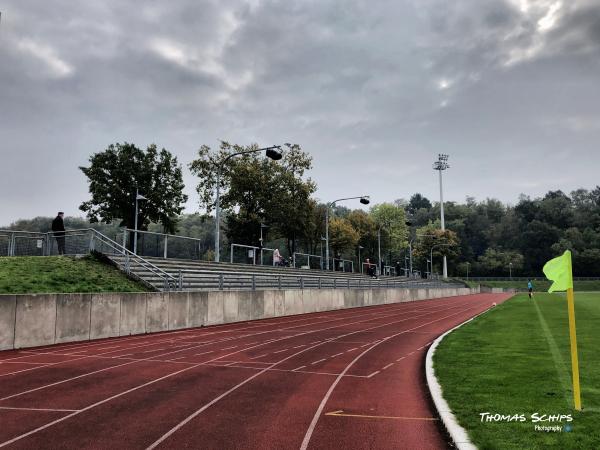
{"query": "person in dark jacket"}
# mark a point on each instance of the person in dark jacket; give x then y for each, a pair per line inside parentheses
(58, 228)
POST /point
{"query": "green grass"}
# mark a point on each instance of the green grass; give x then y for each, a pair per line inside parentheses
(539, 285)
(516, 360)
(59, 274)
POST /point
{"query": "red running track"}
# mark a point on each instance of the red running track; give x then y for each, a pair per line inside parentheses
(351, 379)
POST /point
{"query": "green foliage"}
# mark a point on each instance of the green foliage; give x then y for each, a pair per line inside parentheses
(431, 237)
(116, 173)
(498, 261)
(256, 189)
(391, 219)
(342, 236)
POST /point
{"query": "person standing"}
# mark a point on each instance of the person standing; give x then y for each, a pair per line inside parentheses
(58, 228)
(530, 288)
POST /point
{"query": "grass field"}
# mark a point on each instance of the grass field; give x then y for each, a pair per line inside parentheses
(539, 285)
(60, 274)
(516, 360)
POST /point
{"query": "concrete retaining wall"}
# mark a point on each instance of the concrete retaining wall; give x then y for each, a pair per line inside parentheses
(44, 319)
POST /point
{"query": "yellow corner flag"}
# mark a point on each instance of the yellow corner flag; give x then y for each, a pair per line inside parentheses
(560, 271)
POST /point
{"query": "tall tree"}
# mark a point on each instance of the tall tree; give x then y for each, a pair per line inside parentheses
(256, 189)
(115, 174)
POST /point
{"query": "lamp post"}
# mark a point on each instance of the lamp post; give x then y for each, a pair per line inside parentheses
(364, 199)
(138, 197)
(510, 270)
(431, 253)
(272, 153)
(359, 260)
(468, 270)
(427, 268)
(440, 165)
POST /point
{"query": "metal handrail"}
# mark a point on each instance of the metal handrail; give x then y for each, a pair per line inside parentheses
(169, 280)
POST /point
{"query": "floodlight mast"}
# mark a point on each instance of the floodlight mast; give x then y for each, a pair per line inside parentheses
(440, 165)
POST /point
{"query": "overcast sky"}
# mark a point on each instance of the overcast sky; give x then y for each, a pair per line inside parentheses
(374, 90)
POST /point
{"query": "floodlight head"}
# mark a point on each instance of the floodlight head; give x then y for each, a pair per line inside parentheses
(365, 200)
(441, 163)
(274, 154)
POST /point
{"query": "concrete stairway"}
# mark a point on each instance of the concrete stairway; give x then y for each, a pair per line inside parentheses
(204, 275)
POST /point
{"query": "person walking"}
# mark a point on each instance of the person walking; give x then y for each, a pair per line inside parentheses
(276, 257)
(530, 288)
(58, 228)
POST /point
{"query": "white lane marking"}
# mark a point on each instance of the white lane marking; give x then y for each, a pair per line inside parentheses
(259, 356)
(351, 350)
(38, 409)
(373, 374)
(204, 353)
(426, 312)
(319, 411)
(400, 359)
(299, 346)
(337, 354)
(316, 362)
(388, 366)
(298, 368)
(281, 351)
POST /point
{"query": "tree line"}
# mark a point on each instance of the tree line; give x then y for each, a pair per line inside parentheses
(278, 198)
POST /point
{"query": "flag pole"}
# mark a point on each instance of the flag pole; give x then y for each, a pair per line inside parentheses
(574, 359)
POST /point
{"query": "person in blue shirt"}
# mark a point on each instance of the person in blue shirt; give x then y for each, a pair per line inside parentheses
(530, 288)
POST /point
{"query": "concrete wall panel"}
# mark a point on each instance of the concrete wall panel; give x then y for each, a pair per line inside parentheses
(179, 313)
(215, 308)
(73, 317)
(8, 314)
(157, 315)
(105, 315)
(35, 322)
(133, 314)
(198, 309)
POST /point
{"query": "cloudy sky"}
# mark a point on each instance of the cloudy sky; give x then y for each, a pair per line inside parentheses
(374, 90)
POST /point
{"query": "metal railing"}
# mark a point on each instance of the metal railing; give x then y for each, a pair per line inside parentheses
(150, 243)
(79, 242)
(307, 257)
(252, 253)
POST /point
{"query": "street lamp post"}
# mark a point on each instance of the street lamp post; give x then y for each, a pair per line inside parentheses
(440, 165)
(138, 197)
(431, 253)
(427, 267)
(364, 199)
(468, 271)
(359, 260)
(271, 153)
(510, 270)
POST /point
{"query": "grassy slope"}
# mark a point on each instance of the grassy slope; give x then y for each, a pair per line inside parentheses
(56, 274)
(503, 363)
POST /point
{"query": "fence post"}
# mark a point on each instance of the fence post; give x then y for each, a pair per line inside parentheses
(91, 241)
(221, 281)
(231, 257)
(253, 282)
(335, 283)
(11, 245)
(180, 280)
(279, 281)
(294, 260)
(124, 239)
(166, 240)
(302, 283)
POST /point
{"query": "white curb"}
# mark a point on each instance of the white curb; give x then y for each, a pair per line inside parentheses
(457, 433)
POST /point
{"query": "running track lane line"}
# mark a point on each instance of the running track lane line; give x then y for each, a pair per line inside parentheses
(177, 351)
(87, 408)
(319, 411)
(247, 380)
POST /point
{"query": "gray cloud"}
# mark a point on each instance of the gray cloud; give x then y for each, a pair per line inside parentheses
(373, 90)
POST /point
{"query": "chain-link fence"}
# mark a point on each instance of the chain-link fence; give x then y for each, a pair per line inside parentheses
(163, 245)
